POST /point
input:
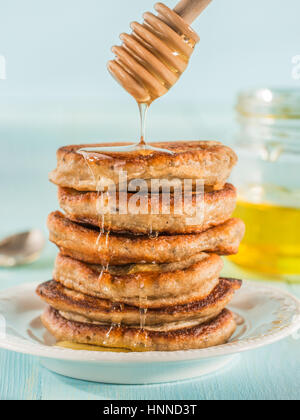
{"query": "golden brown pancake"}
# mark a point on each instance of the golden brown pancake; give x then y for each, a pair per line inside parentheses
(162, 284)
(213, 333)
(209, 161)
(88, 245)
(107, 312)
(215, 208)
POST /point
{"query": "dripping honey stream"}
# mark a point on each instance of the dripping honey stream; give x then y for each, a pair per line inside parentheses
(149, 62)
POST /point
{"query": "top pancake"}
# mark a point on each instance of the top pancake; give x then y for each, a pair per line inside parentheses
(208, 161)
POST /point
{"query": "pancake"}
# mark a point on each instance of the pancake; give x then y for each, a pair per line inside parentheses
(88, 245)
(215, 208)
(201, 336)
(208, 161)
(162, 284)
(107, 312)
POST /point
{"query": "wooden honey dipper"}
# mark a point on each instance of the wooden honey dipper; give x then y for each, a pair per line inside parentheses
(154, 56)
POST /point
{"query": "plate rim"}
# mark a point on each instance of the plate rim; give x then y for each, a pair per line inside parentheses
(24, 346)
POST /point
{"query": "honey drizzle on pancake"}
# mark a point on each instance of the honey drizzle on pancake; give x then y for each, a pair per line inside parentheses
(108, 332)
(101, 195)
(153, 68)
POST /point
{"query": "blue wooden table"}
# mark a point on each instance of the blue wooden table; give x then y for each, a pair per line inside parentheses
(272, 372)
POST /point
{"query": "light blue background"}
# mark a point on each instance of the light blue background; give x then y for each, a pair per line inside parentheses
(57, 52)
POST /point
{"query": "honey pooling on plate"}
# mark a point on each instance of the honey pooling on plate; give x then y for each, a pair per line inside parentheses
(87, 347)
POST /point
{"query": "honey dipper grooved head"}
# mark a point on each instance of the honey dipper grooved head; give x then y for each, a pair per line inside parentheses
(154, 56)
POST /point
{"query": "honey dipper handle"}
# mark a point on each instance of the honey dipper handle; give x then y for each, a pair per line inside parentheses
(189, 10)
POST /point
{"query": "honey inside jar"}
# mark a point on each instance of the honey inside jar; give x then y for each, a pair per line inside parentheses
(271, 244)
(268, 181)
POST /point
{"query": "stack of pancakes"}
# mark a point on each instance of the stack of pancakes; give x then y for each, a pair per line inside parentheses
(142, 282)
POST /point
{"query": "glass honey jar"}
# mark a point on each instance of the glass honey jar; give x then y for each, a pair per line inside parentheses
(268, 181)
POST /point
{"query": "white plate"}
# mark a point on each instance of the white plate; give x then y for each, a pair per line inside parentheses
(265, 315)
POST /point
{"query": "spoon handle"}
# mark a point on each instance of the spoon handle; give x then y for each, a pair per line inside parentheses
(189, 10)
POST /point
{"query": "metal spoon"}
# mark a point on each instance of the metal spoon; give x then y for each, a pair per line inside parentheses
(21, 248)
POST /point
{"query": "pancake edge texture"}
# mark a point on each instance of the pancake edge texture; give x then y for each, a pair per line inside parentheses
(100, 210)
(105, 311)
(208, 161)
(86, 244)
(165, 285)
(210, 334)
